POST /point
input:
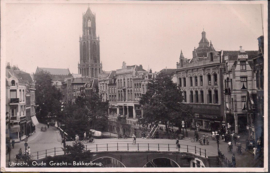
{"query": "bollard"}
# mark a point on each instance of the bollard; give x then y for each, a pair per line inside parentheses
(168, 147)
(158, 147)
(187, 148)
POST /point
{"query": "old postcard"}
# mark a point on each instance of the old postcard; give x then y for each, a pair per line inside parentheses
(134, 85)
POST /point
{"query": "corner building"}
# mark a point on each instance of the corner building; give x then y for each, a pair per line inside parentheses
(89, 65)
(200, 80)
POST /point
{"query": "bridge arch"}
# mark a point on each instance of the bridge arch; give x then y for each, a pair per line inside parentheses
(166, 162)
(108, 161)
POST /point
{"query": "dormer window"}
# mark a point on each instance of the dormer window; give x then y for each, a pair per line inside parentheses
(13, 83)
(243, 66)
(211, 57)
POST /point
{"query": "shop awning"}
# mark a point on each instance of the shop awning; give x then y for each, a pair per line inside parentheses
(34, 120)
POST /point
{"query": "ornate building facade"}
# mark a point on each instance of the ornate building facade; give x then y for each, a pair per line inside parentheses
(89, 64)
(239, 89)
(123, 89)
(200, 80)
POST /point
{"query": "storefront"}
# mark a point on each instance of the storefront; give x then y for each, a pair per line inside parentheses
(207, 122)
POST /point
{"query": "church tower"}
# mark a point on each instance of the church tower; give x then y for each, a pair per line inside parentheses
(89, 64)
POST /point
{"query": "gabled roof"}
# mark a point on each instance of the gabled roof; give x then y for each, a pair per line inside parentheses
(233, 55)
(54, 71)
(22, 76)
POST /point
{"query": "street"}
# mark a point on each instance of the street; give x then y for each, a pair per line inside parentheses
(38, 141)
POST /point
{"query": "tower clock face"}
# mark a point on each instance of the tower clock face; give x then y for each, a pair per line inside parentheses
(89, 23)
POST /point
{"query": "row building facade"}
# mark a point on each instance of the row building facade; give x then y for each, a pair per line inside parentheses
(200, 80)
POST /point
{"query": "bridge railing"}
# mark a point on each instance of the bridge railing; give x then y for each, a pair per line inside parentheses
(126, 147)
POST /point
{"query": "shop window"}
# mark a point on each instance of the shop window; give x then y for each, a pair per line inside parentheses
(243, 82)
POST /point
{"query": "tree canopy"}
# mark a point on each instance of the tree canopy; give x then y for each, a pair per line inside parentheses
(87, 113)
(48, 97)
(162, 103)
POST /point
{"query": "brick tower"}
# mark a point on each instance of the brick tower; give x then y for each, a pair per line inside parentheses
(89, 64)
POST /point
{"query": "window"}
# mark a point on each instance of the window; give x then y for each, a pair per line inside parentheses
(184, 96)
(184, 81)
(209, 79)
(243, 65)
(13, 94)
(209, 96)
(13, 83)
(191, 96)
(243, 82)
(244, 100)
(202, 97)
(191, 82)
(216, 96)
(201, 80)
(180, 82)
(211, 57)
(196, 81)
(196, 97)
(215, 79)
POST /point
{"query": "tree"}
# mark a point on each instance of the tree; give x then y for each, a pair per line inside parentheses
(162, 103)
(87, 113)
(47, 96)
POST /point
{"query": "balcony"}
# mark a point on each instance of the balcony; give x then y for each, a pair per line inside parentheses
(14, 101)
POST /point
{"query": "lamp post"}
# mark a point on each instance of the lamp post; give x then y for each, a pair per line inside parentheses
(217, 137)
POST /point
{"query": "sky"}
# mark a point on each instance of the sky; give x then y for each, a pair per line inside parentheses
(151, 34)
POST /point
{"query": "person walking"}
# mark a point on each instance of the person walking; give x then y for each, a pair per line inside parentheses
(48, 124)
(76, 138)
(235, 138)
(203, 139)
(13, 143)
(134, 139)
(84, 136)
(177, 142)
(233, 160)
